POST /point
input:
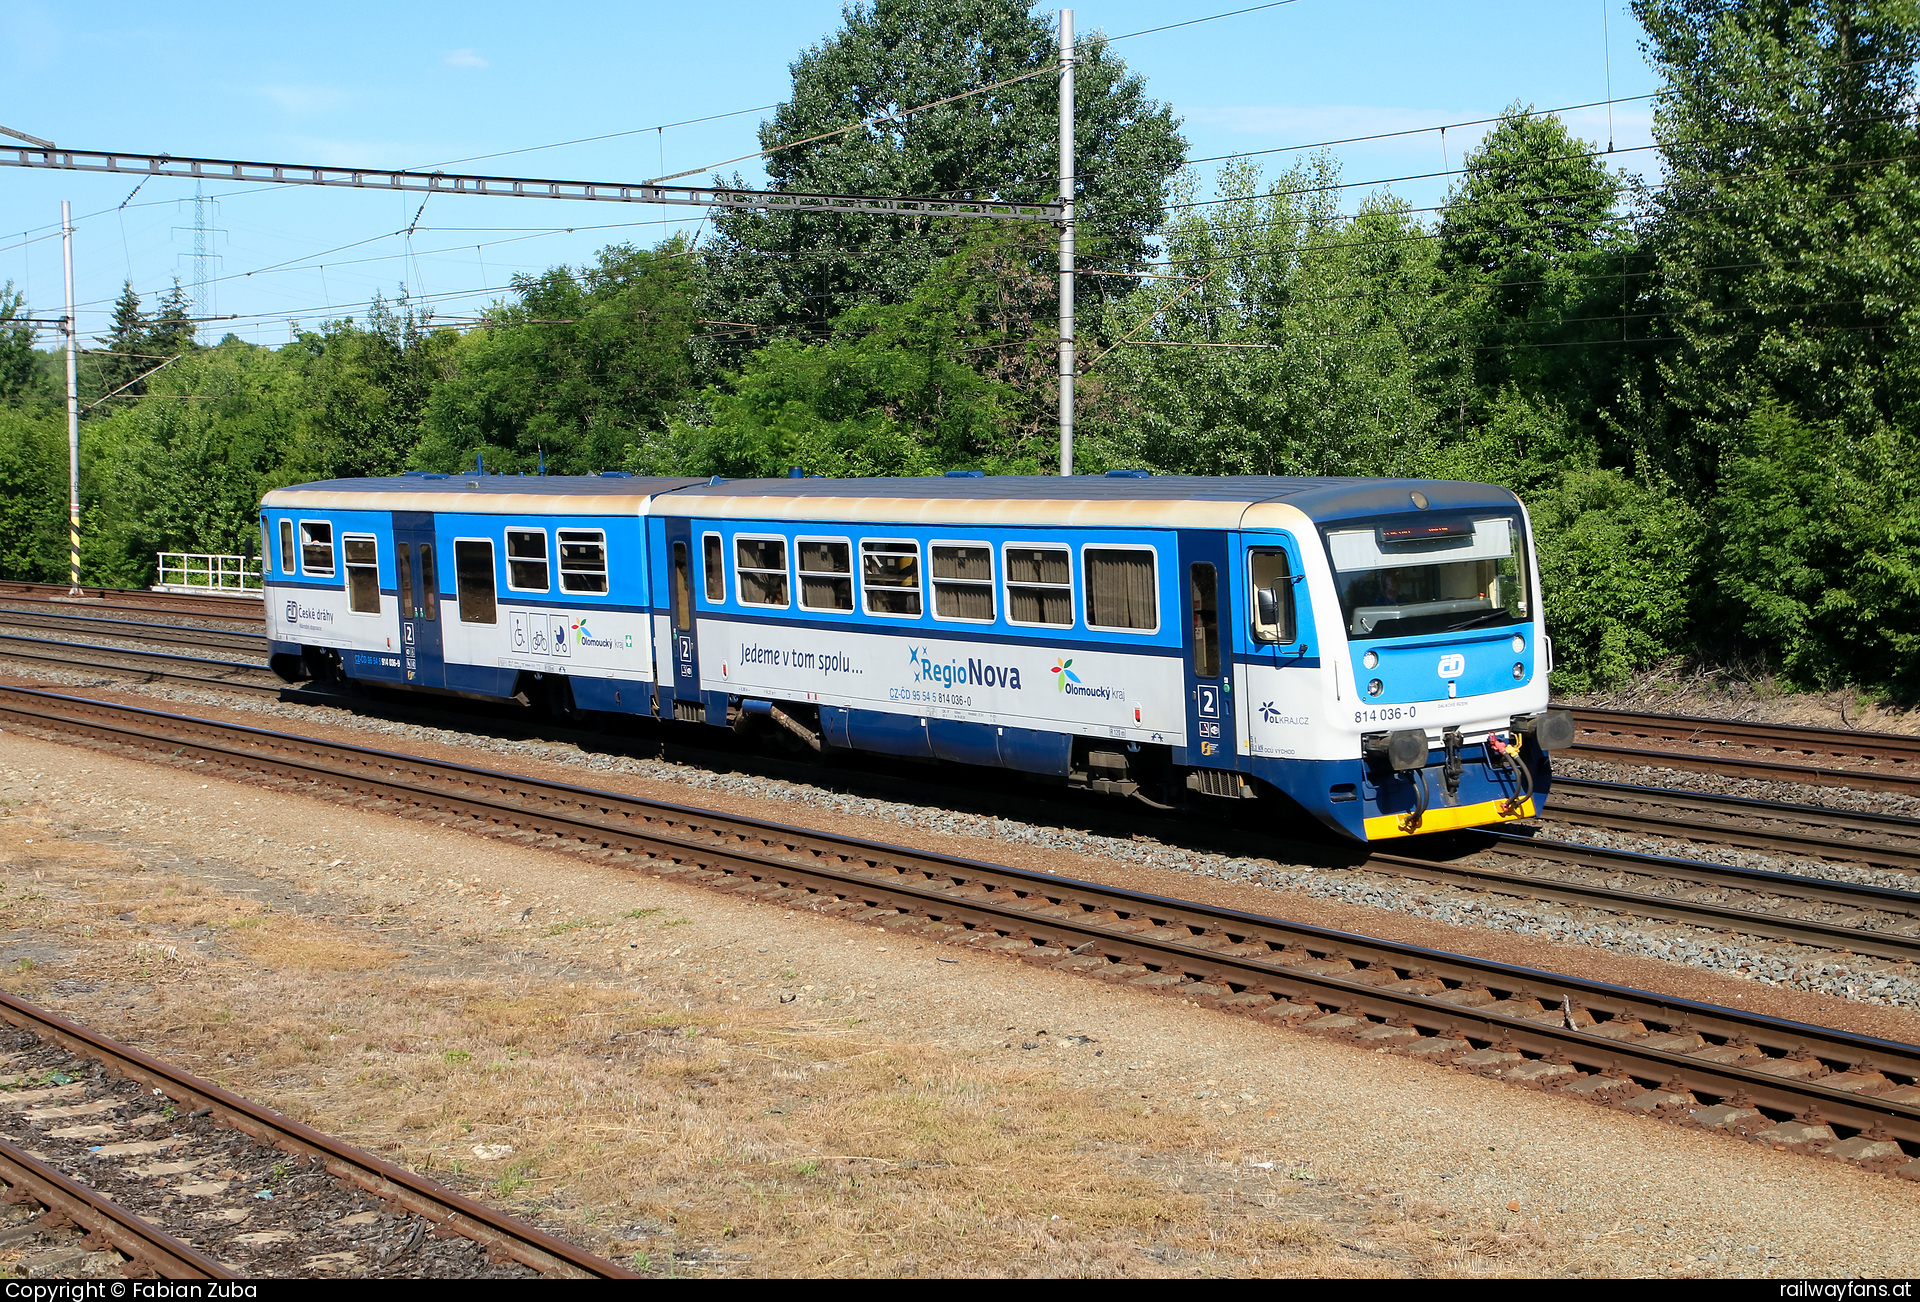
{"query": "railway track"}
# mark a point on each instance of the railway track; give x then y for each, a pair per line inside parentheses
(1834, 757)
(1775, 906)
(504, 1238)
(1886, 841)
(54, 595)
(1785, 1084)
(230, 675)
(204, 639)
(1836, 915)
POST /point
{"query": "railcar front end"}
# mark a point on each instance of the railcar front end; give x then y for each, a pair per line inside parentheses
(1434, 658)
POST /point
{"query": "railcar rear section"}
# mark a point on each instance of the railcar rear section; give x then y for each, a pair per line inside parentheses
(1368, 652)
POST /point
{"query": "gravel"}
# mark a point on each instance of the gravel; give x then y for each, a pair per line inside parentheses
(1845, 976)
(1796, 793)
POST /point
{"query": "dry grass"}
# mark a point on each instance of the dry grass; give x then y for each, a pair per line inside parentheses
(687, 1136)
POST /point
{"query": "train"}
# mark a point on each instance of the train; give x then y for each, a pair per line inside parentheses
(1367, 653)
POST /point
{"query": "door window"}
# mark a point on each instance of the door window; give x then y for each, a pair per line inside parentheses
(1205, 589)
(429, 587)
(473, 576)
(1270, 603)
(682, 588)
(403, 581)
(286, 546)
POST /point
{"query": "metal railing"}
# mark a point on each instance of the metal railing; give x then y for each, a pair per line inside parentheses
(208, 572)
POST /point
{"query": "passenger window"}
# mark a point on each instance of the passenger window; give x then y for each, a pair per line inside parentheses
(473, 576)
(890, 574)
(963, 582)
(429, 588)
(716, 570)
(316, 548)
(403, 581)
(583, 560)
(1120, 590)
(760, 570)
(363, 575)
(826, 574)
(286, 546)
(1039, 586)
(1270, 575)
(527, 560)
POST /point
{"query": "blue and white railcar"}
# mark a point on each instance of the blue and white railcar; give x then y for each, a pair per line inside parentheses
(1372, 650)
(484, 585)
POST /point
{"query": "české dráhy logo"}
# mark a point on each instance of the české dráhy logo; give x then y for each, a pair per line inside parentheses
(1452, 666)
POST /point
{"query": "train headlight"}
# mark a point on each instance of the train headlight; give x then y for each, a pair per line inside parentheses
(1519, 644)
(1370, 659)
(1375, 687)
(1519, 672)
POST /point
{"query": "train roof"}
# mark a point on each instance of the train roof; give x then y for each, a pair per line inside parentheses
(1143, 501)
(1178, 501)
(473, 493)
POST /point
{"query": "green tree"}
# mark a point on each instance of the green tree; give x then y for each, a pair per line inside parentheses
(1821, 549)
(797, 272)
(585, 364)
(1287, 339)
(173, 327)
(33, 495)
(952, 378)
(1785, 230)
(17, 364)
(1540, 266)
(123, 354)
(367, 388)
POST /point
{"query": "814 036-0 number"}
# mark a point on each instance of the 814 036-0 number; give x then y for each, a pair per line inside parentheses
(1384, 714)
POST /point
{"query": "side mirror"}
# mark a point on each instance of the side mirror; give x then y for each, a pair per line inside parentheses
(1269, 602)
(1274, 609)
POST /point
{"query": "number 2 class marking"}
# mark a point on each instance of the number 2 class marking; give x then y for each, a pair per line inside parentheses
(1209, 702)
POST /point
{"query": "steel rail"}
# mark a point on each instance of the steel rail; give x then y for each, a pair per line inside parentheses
(152, 664)
(1826, 756)
(209, 639)
(105, 1220)
(1882, 944)
(454, 1213)
(1386, 993)
(1523, 849)
(213, 605)
(1708, 819)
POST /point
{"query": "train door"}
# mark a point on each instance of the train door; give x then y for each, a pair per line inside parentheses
(416, 565)
(1206, 601)
(1275, 631)
(686, 646)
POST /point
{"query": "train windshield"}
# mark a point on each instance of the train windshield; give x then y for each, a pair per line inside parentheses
(1425, 574)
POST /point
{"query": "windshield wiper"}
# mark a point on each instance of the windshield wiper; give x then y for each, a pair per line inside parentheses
(1479, 619)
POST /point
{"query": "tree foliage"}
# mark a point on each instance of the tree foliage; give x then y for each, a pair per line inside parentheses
(796, 272)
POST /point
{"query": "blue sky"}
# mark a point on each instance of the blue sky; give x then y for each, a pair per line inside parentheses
(396, 85)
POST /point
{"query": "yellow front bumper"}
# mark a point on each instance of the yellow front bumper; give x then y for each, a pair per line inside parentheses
(1387, 826)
